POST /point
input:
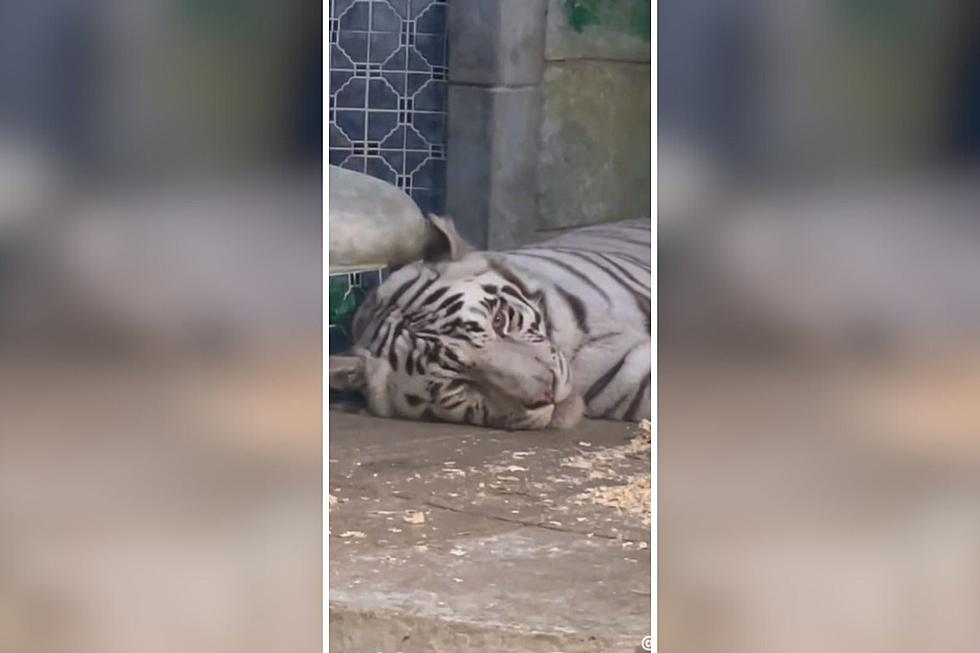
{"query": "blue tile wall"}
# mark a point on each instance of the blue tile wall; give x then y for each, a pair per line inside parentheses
(387, 110)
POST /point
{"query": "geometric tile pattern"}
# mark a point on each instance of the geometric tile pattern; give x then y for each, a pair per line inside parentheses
(387, 106)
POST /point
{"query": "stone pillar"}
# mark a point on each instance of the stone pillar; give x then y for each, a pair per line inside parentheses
(496, 65)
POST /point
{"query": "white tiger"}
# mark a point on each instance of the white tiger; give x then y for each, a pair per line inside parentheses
(526, 339)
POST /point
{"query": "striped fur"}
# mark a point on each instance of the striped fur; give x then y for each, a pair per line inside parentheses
(525, 339)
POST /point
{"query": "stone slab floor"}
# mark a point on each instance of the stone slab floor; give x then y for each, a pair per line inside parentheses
(165, 505)
(448, 538)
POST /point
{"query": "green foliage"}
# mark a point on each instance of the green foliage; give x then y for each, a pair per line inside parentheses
(343, 302)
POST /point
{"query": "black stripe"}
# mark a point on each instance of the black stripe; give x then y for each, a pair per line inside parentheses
(610, 413)
(434, 351)
(586, 342)
(601, 383)
(643, 304)
(620, 238)
(604, 336)
(544, 317)
(509, 275)
(639, 243)
(452, 309)
(587, 257)
(449, 354)
(421, 290)
(447, 301)
(568, 268)
(626, 273)
(645, 265)
(635, 226)
(434, 296)
(642, 301)
(392, 355)
(395, 296)
(377, 348)
(389, 305)
(631, 412)
(507, 290)
(434, 389)
(639, 262)
(533, 306)
(419, 366)
(375, 323)
(577, 308)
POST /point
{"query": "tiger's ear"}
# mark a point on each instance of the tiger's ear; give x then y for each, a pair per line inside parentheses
(444, 242)
(348, 373)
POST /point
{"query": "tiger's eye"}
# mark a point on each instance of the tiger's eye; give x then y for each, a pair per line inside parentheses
(499, 321)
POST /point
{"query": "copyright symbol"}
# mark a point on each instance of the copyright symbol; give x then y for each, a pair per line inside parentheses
(646, 643)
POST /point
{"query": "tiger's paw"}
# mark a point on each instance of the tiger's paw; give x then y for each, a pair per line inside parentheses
(567, 413)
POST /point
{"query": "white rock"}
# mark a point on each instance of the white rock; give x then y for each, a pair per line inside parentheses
(372, 223)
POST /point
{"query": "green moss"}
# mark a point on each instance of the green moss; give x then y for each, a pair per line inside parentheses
(630, 16)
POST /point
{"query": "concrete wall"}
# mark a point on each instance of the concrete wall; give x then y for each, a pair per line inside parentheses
(594, 163)
(549, 116)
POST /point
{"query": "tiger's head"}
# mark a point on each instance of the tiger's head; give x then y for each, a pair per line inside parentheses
(458, 337)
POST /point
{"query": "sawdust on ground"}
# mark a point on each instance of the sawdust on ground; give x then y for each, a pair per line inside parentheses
(632, 497)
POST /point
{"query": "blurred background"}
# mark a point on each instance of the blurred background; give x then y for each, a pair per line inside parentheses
(819, 206)
(160, 303)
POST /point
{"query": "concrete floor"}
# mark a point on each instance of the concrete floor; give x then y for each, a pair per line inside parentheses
(156, 508)
(508, 557)
(165, 506)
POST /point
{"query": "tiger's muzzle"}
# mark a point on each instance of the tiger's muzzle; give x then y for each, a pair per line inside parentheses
(522, 381)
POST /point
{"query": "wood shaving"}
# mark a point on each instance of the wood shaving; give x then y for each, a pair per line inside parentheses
(632, 498)
(605, 463)
(355, 534)
(645, 434)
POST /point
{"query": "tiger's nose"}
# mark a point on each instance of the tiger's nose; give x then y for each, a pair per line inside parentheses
(545, 400)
